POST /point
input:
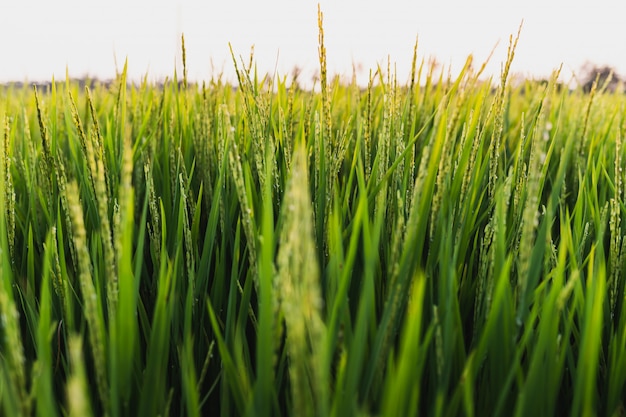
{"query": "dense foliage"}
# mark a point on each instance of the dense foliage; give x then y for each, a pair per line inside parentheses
(436, 248)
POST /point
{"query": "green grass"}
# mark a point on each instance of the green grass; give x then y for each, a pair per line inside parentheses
(439, 247)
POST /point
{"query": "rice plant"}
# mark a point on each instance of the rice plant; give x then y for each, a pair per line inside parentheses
(452, 245)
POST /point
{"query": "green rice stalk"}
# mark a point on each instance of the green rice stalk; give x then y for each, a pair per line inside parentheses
(492, 251)
(77, 386)
(57, 276)
(384, 144)
(125, 194)
(223, 144)
(412, 83)
(173, 153)
(189, 380)
(439, 356)
(494, 145)
(616, 361)
(45, 169)
(152, 400)
(56, 162)
(247, 210)
(256, 111)
(319, 158)
(205, 149)
(154, 226)
(290, 122)
(530, 223)
(415, 239)
(470, 170)
(325, 140)
(98, 139)
(45, 134)
(522, 181)
(367, 130)
(400, 145)
(29, 158)
(123, 329)
(190, 259)
(286, 132)
(580, 161)
(15, 397)
(9, 190)
(615, 264)
(270, 330)
(382, 151)
(43, 370)
(585, 401)
(326, 116)
(85, 142)
(397, 236)
(444, 174)
(92, 306)
(182, 44)
(110, 261)
(403, 388)
(62, 185)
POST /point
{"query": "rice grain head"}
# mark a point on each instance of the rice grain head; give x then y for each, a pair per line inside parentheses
(300, 295)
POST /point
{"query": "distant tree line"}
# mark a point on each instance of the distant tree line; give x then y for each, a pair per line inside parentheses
(605, 75)
(92, 83)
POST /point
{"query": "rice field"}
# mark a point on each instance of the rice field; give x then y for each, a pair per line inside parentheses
(434, 247)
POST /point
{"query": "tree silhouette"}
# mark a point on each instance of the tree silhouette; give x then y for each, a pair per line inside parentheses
(604, 74)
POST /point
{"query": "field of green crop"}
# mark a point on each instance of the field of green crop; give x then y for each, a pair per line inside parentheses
(437, 247)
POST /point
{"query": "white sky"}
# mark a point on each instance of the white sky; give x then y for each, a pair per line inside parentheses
(39, 39)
